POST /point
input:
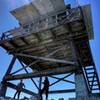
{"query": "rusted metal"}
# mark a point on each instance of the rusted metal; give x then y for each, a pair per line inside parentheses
(54, 71)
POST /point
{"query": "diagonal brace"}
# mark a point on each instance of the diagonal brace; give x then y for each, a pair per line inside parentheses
(47, 59)
(60, 79)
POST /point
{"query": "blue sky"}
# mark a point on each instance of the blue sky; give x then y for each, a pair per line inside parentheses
(7, 22)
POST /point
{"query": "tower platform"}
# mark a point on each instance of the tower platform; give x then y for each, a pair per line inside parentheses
(51, 43)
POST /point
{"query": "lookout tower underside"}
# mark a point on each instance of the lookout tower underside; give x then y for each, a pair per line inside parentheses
(51, 43)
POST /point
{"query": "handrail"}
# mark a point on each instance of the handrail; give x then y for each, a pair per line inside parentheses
(44, 23)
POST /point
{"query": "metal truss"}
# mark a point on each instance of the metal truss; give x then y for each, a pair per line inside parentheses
(38, 74)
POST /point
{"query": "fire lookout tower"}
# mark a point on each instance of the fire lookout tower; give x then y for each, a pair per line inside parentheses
(53, 39)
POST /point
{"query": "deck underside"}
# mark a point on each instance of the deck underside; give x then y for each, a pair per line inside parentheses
(55, 43)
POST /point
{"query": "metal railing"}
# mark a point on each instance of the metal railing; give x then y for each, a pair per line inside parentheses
(44, 23)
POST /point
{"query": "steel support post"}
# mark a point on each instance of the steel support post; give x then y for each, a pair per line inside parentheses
(80, 84)
(40, 85)
(3, 87)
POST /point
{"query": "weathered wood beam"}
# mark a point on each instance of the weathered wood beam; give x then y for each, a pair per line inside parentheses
(49, 72)
(62, 91)
(47, 59)
(13, 86)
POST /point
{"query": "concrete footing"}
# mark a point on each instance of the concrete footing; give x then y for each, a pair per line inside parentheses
(81, 89)
(86, 98)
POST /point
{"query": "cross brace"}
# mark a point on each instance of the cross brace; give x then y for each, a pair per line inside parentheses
(54, 71)
(23, 90)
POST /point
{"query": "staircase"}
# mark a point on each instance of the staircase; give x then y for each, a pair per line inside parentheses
(92, 79)
(86, 63)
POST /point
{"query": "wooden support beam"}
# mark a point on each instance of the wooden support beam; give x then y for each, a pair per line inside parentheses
(47, 59)
(13, 86)
(62, 91)
(54, 71)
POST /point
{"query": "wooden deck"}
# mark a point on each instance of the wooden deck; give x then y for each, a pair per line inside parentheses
(54, 43)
